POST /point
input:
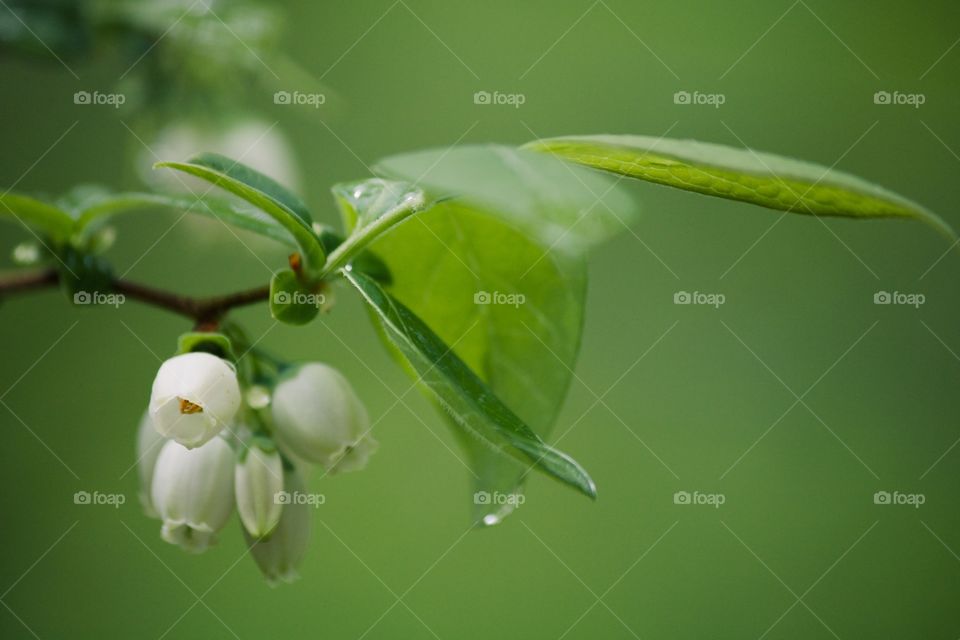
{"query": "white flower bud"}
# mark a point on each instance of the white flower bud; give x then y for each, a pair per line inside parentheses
(319, 418)
(195, 395)
(258, 479)
(149, 444)
(193, 492)
(280, 555)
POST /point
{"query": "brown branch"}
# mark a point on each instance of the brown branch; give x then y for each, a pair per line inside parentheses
(206, 312)
(28, 281)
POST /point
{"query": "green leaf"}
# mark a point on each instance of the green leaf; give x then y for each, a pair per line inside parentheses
(209, 342)
(558, 204)
(449, 258)
(291, 301)
(256, 180)
(738, 174)
(369, 209)
(81, 196)
(471, 403)
(39, 216)
(263, 193)
(96, 211)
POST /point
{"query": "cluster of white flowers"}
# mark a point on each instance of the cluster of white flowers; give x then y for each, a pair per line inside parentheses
(198, 458)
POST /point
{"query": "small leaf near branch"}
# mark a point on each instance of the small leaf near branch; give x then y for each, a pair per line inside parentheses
(291, 301)
(263, 193)
(253, 178)
(108, 205)
(41, 217)
(209, 342)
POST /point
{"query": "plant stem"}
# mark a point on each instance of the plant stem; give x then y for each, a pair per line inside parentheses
(205, 312)
(357, 241)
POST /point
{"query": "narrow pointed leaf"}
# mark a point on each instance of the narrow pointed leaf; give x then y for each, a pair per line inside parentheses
(750, 176)
(467, 398)
(253, 178)
(39, 216)
(97, 211)
(263, 193)
(456, 267)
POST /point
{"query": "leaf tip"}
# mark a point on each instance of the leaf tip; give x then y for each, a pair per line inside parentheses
(591, 488)
(942, 227)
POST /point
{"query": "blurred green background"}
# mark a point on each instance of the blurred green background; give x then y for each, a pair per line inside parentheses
(799, 549)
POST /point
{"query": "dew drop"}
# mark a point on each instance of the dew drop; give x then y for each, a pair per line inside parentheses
(258, 396)
(491, 519)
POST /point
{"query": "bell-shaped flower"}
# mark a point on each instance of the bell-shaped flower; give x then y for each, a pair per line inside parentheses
(258, 480)
(318, 418)
(279, 556)
(149, 444)
(195, 395)
(193, 492)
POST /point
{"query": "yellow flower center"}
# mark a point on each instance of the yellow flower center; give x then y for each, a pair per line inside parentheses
(188, 407)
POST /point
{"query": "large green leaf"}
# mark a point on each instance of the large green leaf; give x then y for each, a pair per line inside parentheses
(39, 216)
(738, 174)
(473, 405)
(455, 268)
(263, 193)
(560, 205)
